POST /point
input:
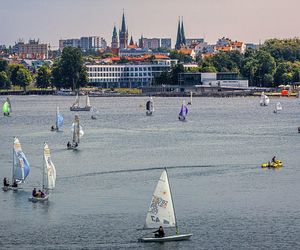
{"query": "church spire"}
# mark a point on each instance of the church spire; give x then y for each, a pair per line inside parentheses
(114, 38)
(183, 41)
(131, 41)
(178, 40)
(123, 28)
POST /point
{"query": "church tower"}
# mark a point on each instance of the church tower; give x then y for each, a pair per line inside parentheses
(123, 34)
(180, 41)
(114, 39)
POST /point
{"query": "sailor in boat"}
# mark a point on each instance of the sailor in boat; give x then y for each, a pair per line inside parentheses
(68, 144)
(15, 184)
(159, 233)
(34, 193)
(53, 128)
(274, 159)
(5, 182)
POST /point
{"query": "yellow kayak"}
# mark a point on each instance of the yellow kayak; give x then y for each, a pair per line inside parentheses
(276, 164)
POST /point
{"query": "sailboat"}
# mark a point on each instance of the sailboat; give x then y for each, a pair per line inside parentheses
(278, 107)
(149, 107)
(77, 134)
(6, 108)
(20, 168)
(59, 120)
(93, 113)
(75, 106)
(161, 212)
(191, 99)
(48, 179)
(183, 112)
(264, 99)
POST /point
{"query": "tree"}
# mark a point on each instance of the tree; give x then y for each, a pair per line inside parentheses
(43, 77)
(3, 65)
(163, 78)
(4, 82)
(23, 78)
(72, 72)
(176, 70)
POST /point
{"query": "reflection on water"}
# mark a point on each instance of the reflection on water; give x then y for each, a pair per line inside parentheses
(103, 190)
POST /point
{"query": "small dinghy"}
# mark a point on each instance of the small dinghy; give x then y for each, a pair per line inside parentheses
(6, 108)
(161, 212)
(76, 107)
(183, 112)
(20, 167)
(59, 121)
(49, 178)
(264, 99)
(149, 107)
(77, 132)
(278, 107)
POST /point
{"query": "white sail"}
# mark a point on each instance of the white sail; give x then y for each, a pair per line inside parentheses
(278, 106)
(264, 99)
(50, 171)
(77, 130)
(88, 103)
(161, 211)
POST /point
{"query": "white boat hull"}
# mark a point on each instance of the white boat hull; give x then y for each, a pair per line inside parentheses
(38, 199)
(168, 238)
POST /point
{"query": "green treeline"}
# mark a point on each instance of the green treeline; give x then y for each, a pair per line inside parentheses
(276, 62)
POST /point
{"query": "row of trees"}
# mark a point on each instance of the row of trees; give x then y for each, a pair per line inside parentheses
(276, 62)
(68, 72)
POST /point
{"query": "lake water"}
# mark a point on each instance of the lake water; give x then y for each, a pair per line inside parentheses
(103, 190)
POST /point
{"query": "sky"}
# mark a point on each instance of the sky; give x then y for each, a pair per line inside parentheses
(250, 21)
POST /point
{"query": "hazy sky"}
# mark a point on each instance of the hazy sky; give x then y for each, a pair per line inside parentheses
(51, 20)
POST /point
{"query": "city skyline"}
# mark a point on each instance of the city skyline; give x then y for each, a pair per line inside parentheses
(253, 21)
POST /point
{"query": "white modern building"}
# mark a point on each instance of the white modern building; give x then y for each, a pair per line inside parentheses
(127, 75)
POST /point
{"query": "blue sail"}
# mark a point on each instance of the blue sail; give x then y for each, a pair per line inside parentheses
(60, 120)
(184, 110)
(22, 168)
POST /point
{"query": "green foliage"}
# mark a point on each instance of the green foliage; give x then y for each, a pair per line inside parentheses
(182, 58)
(283, 50)
(175, 73)
(3, 65)
(23, 78)
(70, 71)
(4, 82)
(163, 78)
(43, 77)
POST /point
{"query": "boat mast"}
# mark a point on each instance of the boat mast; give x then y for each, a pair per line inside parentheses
(176, 227)
(13, 168)
(43, 167)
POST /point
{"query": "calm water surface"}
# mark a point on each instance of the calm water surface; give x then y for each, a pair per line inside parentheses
(103, 190)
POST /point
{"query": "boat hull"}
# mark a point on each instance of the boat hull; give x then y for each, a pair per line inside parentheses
(80, 109)
(11, 188)
(148, 113)
(179, 237)
(181, 118)
(38, 199)
(277, 164)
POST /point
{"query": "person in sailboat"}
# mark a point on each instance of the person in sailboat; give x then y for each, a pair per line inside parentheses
(52, 128)
(68, 144)
(159, 233)
(15, 184)
(5, 182)
(274, 159)
(34, 193)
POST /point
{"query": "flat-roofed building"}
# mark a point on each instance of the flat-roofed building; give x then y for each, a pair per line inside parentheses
(126, 75)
